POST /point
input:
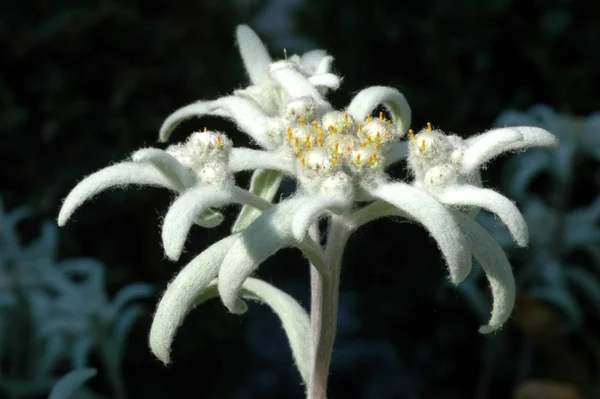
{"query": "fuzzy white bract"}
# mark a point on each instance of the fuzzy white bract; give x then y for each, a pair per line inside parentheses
(338, 159)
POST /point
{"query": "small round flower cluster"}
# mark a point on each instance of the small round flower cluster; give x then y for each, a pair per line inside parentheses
(330, 143)
(435, 159)
(206, 155)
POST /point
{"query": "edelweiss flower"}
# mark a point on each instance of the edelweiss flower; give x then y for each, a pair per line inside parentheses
(448, 168)
(197, 168)
(264, 92)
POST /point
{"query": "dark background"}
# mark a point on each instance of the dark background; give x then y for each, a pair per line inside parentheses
(83, 84)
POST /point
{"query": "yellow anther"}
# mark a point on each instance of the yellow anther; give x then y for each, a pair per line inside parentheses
(371, 160)
(389, 123)
(429, 126)
(369, 139)
(364, 144)
(296, 142)
(301, 121)
(369, 118)
(298, 153)
(336, 147)
(376, 147)
(380, 116)
(411, 133)
(333, 129)
(303, 161)
(388, 135)
(378, 137)
(307, 142)
(360, 127)
(319, 141)
(422, 145)
(315, 124)
(335, 159)
(219, 141)
(289, 132)
(358, 159)
(349, 149)
(345, 117)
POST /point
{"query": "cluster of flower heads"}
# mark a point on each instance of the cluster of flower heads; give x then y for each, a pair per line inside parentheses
(338, 158)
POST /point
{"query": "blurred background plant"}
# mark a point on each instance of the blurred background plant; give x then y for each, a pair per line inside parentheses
(83, 84)
(55, 315)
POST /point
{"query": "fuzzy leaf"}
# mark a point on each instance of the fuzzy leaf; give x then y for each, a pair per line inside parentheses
(265, 184)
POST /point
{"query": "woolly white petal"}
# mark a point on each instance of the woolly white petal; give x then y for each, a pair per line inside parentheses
(297, 85)
(266, 235)
(189, 205)
(324, 65)
(249, 117)
(487, 146)
(167, 164)
(398, 152)
(254, 54)
(71, 382)
(492, 201)
(438, 220)
(294, 318)
(370, 98)
(313, 58)
(119, 175)
(326, 80)
(181, 294)
(265, 184)
(493, 260)
(248, 159)
(314, 207)
(196, 109)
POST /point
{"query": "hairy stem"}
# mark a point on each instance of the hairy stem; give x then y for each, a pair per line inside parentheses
(324, 306)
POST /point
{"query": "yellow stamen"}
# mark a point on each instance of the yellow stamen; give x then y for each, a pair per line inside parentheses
(369, 118)
(380, 116)
(298, 153)
(349, 149)
(219, 141)
(411, 133)
(307, 142)
(376, 147)
(388, 135)
(422, 145)
(301, 121)
(303, 161)
(429, 126)
(369, 139)
(296, 142)
(358, 159)
(315, 124)
(364, 144)
(360, 127)
(336, 147)
(289, 133)
(389, 123)
(333, 129)
(378, 137)
(335, 159)
(371, 159)
(319, 142)
(345, 117)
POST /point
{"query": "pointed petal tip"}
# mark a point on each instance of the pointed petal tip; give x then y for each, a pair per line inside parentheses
(488, 329)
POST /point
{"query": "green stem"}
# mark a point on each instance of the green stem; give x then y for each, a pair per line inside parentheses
(324, 306)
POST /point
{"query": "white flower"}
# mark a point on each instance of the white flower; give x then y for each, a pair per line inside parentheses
(199, 170)
(264, 92)
(448, 168)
